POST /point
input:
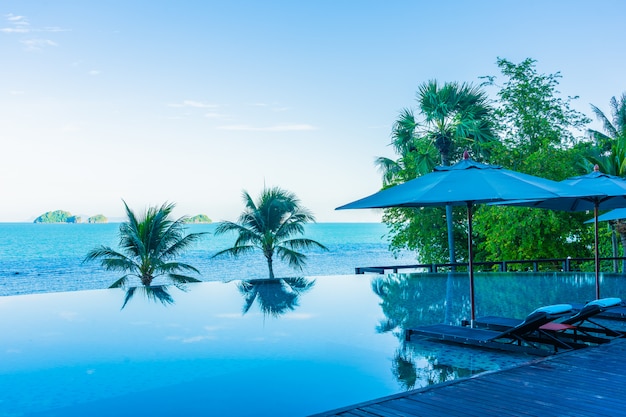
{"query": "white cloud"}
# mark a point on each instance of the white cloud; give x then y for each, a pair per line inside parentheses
(214, 115)
(275, 128)
(37, 44)
(94, 72)
(20, 25)
(194, 104)
(13, 18)
(14, 30)
(54, 29)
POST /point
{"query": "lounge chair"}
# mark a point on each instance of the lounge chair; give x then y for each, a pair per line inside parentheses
(579, 327)
(524, 337)
(613, 313)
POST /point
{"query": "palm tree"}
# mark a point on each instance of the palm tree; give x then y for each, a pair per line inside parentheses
(270, 225)
(610, 153)
(149, 246)
(614, 128)
(454, 117)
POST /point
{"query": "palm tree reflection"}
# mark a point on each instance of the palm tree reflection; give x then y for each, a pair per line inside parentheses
(155, 293)
(274, 296)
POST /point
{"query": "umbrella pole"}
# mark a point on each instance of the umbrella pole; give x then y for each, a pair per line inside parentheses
(470, 267)
(597, 252)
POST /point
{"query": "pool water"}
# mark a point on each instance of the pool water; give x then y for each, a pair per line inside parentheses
(290, 347)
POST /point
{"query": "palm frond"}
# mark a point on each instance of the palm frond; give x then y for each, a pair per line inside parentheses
(293, 258)
(235, 251)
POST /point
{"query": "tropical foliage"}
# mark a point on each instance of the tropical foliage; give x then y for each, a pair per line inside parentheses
(149, 246)
(609, 152)
(272, 224)
(451, 118)
(537, 129)
(528, 128)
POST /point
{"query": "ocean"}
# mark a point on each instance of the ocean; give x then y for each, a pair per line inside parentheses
(40, 258)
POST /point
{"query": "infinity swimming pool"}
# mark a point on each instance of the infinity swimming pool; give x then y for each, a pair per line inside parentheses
(291, 347)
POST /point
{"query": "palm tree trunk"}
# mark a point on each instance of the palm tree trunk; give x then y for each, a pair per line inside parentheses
(271, 267)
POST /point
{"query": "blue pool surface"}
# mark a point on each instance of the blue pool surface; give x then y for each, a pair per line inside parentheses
(272, 350)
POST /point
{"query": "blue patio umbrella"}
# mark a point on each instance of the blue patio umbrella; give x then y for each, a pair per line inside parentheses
(616, 214)
(466, 183)
(612, 192)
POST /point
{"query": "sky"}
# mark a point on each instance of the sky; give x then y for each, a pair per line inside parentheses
(193, 102)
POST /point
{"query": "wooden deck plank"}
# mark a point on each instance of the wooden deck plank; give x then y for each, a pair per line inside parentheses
(587, 382)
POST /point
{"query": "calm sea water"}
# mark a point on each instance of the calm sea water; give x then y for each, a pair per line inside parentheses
(37, 258)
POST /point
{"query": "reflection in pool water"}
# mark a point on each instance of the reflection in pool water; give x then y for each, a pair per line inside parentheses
(295, 348)
(274, 297)
(156, 293)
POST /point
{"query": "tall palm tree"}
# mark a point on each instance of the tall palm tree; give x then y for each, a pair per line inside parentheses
(614, 128)
(269, 225)
(610, 153)
(454, 117)
(149, 245)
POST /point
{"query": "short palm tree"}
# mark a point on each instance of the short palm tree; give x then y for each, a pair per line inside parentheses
(149, 245)
(270, 225)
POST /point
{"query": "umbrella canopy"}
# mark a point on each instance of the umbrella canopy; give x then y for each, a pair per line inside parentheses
(616, 214)
(466, 183)
(612, 192)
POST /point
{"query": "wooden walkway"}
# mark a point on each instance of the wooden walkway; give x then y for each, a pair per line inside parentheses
(587, 382)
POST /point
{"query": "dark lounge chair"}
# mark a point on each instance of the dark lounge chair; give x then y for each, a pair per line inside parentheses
(526, 336)
(617, 313)
(579, 327)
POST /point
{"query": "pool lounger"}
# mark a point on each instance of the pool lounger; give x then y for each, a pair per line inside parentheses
(524, 337)
(617, 313)
(579, 327)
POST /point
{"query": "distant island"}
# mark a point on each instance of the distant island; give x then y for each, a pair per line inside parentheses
(57, 216)
(98, 218)
(200, 218)
(61, 216)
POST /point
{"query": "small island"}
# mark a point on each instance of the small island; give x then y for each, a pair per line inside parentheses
(57, 216)
(98, 218)
(199, 219)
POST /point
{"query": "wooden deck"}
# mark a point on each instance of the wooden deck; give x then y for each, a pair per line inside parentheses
(587, 382)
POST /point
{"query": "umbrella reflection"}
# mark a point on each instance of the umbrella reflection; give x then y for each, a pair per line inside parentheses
(274, 296)
(155, 293)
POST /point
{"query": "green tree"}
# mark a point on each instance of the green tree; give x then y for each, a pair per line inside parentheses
(269, 225)
(451, 118)
(530, 114)
(149, 244)
(537, 128)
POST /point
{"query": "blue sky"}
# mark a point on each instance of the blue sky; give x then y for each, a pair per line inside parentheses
(194, 101)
